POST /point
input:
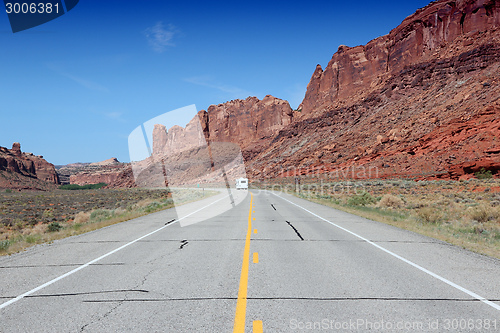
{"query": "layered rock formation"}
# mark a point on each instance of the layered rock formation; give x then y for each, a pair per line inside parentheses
(25, 171)
(111, 171)
(246, 121)
(422, 37)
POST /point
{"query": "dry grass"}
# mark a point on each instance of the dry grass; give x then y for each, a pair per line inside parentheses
(429, 215)
(82, 217)
(18, 234)
(391, 201)
(464, 213)
(484, 213)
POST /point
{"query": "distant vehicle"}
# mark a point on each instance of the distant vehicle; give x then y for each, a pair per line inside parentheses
(242, 183)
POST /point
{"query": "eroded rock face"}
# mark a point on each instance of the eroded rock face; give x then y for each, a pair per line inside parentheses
(353, 71)
(237, 121)
(245, 121)
(20, 170)
(111, 171)
(104, 174)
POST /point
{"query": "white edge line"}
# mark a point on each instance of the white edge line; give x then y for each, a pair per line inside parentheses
(97, 259)
(454, 285)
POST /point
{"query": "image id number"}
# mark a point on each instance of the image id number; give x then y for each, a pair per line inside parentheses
(32, 8)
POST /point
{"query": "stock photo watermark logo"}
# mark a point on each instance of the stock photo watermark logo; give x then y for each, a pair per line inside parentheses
(173, 151)
(27, 14)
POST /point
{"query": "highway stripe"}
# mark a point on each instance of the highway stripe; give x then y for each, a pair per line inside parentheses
(257, 326)
(448, 282)
(241, 305)
(97, 259)
(255, 258)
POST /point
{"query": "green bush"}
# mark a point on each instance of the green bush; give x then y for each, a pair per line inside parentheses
(100, 215)
(154, 206)
(83, 187)
(361, 199)
(54, 226)
(483, 174)
(32, 239)
(4, 245)
(8, 190)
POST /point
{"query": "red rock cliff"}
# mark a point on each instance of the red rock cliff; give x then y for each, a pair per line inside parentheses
(243, 122)
(20, 170)
(353, 71)
(246, 121)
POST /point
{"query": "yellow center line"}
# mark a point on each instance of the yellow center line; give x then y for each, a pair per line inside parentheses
(257, 326)
(254, 231)
(255, 258)
(241, 305)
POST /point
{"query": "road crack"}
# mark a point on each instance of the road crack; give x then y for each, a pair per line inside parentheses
(295, 229)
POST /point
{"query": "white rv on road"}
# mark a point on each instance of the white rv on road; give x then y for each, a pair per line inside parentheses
(242, 183)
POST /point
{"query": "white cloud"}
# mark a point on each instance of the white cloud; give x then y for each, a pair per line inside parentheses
(86, 83)
(159, 37)
(81, 81)
(207, 81)
(115, 116)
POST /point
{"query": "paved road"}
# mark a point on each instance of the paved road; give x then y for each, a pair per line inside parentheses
(272, 264)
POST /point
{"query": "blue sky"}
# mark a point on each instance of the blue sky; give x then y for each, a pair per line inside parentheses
(74, 88)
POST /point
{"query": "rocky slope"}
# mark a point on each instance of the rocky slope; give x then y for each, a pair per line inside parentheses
(20, 170)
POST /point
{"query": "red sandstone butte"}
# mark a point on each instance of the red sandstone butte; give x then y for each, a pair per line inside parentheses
(21, 170)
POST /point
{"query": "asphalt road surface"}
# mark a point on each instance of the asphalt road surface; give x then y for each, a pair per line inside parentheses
(273, 263)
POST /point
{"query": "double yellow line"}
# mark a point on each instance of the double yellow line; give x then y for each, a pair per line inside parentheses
(241, 305)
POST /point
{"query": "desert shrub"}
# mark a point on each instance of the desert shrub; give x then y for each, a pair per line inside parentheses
(391, 201)
(83, 187)
(119, 211)
(152, 207)
(100, 215)
(4, 245)
(48, 213)
(483, 213)
(361, 199)
(82, 217)
(32, 239)
(19, 225)
(8, 190)
(483, 174)
(54, 226)
(429, 215)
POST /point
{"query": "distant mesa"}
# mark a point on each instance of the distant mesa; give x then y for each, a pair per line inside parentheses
(109, 161)
(110, 171)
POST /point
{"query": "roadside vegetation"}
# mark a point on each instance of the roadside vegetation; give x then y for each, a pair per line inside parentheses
(464, 213)
(82, 187)
(31, 217)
